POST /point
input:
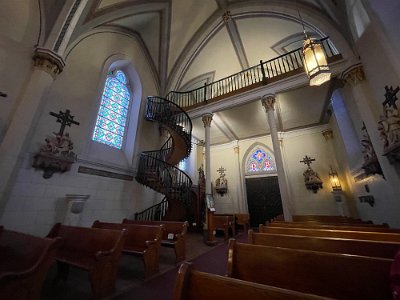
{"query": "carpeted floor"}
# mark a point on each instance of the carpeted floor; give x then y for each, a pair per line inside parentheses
(130, 284)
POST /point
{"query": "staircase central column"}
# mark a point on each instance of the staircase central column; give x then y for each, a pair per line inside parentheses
(268, 101)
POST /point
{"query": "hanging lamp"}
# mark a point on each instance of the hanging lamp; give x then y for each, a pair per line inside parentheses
(314, 59)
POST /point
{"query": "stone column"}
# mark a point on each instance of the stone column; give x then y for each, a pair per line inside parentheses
(47, 65)
(268, 101)
(210, 239)
(207, 118)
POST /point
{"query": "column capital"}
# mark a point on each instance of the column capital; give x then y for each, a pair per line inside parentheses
(268, 101)
(48, 61)
(236, 149)
(354, 75)
(328, 134)
(207, 118)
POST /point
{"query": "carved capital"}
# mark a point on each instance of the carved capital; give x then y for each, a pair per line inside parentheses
(328, 134)
(354, 75)
(48, 61)
(268, 101)
(207, 118)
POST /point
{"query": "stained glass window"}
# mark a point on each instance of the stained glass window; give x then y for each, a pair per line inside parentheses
(260, 161)
(113, 111)
(182, 165)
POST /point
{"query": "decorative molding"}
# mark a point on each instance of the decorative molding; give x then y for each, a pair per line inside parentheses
(328, 134)
(66, 25)
(48, 61)
(354, 75)
(268, 101)
(207, 118)
(103, 173)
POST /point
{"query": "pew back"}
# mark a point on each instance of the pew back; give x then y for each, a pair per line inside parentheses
(137, 236)
(333, 245)
(194, 285)
(92, 249)
(347, 234)
(320, 218)
(339, 226)
(173, 235)
(171, 230)
(339, 276)
(24, 263)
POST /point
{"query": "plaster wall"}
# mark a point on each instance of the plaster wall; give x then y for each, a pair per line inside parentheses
(35, 203)
(312, 143)
(19, 23)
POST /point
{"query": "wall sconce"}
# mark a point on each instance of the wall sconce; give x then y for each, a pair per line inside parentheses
(334, 178)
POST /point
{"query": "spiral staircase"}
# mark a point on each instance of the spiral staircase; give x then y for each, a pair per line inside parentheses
(157, 169)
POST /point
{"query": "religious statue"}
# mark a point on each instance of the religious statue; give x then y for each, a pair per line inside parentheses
(311, 178)
(221, 184)
(56, 154)
(389, 125)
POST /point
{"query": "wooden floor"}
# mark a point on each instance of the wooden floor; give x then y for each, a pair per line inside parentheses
(130, 272)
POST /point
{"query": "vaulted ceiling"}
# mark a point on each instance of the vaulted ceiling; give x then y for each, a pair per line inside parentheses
(191, 42)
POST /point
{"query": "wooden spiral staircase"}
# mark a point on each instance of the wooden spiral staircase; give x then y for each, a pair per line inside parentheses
(157, 169)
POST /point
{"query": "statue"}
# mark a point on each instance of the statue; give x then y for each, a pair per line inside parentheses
(311, 178)
(221, 184)
(56, 154)
(389, 125)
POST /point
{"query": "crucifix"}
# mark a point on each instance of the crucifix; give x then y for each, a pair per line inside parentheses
(221, 170)
(65, 118)
(307, 160)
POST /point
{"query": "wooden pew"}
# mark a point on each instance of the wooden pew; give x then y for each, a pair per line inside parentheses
(173, 235)
(339, 226)
(395, 277)
(141, 240)
(339, 276)
(94, 250)
(243, 220)
(220, 223)
(195, 285)
(332, 245)
(358, 235)
(24, 263)
(231, 222)
(330, 219)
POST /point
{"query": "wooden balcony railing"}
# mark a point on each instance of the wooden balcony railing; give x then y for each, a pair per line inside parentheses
(283, 66)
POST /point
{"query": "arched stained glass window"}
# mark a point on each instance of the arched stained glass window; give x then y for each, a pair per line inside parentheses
(113, 111)
(259, 162)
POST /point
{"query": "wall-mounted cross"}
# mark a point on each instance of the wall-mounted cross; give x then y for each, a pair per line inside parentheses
(221, 170)
(65, 118)
(307, 160)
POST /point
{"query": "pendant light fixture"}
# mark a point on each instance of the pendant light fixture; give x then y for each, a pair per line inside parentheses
(314, 59)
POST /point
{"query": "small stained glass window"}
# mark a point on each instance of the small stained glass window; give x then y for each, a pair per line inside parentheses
(260, 161)
(111, 119)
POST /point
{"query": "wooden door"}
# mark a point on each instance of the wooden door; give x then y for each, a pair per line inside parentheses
(263, 199)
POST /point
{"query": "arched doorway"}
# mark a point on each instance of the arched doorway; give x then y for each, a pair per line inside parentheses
(262, 187)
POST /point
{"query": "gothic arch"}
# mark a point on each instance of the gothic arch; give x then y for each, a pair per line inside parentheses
(266, 156)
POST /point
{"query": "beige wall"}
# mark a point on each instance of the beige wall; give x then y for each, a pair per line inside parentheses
(35, 203)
